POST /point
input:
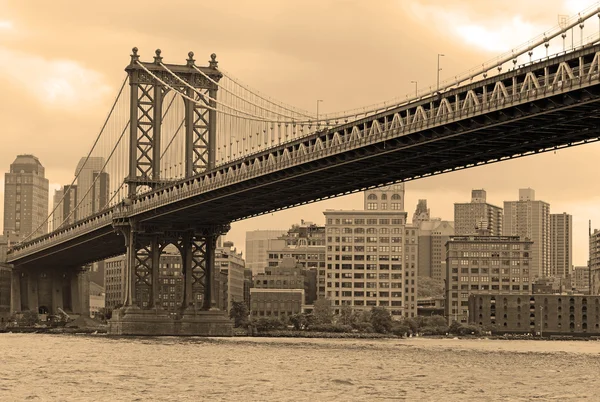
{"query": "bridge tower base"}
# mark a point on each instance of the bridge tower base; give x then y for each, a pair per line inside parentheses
(134, 321)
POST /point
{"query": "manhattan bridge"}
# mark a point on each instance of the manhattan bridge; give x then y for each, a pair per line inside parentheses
(190, 149)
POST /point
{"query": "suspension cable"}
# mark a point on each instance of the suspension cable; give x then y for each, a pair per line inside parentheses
(86, 160)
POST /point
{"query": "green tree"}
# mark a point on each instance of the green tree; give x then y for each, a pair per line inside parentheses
(381, 320)
(323, 312)
(347, 316)
(239, 313)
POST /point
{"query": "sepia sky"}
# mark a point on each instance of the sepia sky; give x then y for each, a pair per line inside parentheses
(62, 62)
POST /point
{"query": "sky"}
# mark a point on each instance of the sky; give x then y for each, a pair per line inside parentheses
(63, 61)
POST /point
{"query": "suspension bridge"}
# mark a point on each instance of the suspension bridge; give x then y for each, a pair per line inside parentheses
(190, 149)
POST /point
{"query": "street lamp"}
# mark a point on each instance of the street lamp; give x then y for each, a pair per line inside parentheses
(318, 100)
(416, 88)
(438, 70)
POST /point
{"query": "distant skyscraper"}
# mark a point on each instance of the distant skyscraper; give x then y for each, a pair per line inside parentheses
(594, 262)
(25, 197)
(258, 242)
(421, 214)
(63, 206)
(385, 198)
(97, 197)
(561, 247)
(530, 219)
(471, 218)
(433, 236)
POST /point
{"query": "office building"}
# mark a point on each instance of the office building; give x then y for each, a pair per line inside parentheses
(5, 295)
(387, 198)
(258, 242)
(530, 219)
(581, 279)
(305, 243)
(91, 199)
(484, 265)
(372, 259)
(433, 236)
(594, 262)
(561, 245)
(232, 266)
(25, 198)
(422, 213)
(280, 291)
(557, 314)
(64, 203)
(476, 216)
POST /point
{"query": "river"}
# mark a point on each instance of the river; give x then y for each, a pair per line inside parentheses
(99, 368)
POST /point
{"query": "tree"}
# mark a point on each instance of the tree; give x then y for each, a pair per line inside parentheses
(381, 320)
(323, 312)
(28, 319)
(429, 287)
(239, 313)
(347, 316)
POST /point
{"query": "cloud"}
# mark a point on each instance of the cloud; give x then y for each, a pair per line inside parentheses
(6, 25)
(55, 83)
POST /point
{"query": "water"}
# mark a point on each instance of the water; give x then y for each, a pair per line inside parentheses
(98, 368)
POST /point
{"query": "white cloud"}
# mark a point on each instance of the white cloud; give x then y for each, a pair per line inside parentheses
(576, 6)
(57, 84)
(6, 25)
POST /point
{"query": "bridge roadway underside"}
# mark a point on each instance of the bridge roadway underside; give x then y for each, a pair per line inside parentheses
(564, 119)
(531, 127)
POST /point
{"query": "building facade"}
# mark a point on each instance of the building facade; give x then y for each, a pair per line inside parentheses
(5, 295)
(91, 199)
(64, 202)
(530, 219)
(433, 236)
(25, 197)
(477, 215)
(594, 262)
(561, 245)
(387, 198)
(232, 265)
(484, 265)
(549, 314)
(280, 291)
(305, 243)
(372, 259)
(581, 279)
(258, 243)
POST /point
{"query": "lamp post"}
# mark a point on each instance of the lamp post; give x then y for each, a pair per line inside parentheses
(318, 101)
(438, 71)
(416, 88)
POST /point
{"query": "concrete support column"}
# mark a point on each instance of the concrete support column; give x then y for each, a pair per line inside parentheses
(213, 282)
(15, 291)
(187, 259)
(57, 293)
(155, 290)
(129, 269)
(83, 287)
(32, 291)
(75, 294)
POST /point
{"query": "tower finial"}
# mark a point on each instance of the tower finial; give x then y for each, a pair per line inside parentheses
(158, 57)
(190, 59)
(213, 61)
(134, 55)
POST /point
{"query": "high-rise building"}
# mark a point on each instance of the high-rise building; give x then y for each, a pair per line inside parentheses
(476, 216)
(64, 201)
(387, 198)
(484, 265)
(594, 262)
(372, 258)
(232, 264)
(258, 242)
(561, 244)
(305, 243)
(421, 214)
(433, 236)
(530, 219)
(25, 197)
(91, 199)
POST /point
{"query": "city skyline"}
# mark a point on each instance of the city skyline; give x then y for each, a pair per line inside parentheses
(68, 110)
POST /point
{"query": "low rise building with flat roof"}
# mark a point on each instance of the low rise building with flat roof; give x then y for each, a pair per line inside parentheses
(557, 314)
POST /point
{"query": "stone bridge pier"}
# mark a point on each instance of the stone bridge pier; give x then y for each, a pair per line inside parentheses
(201, 312)
(47, 291)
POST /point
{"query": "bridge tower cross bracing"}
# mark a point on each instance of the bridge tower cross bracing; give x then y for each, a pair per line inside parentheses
(196, 241)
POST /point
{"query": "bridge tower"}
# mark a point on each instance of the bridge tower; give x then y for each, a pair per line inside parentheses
(142, 312)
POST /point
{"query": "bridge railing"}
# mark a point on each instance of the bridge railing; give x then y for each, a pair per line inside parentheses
(289, 155)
